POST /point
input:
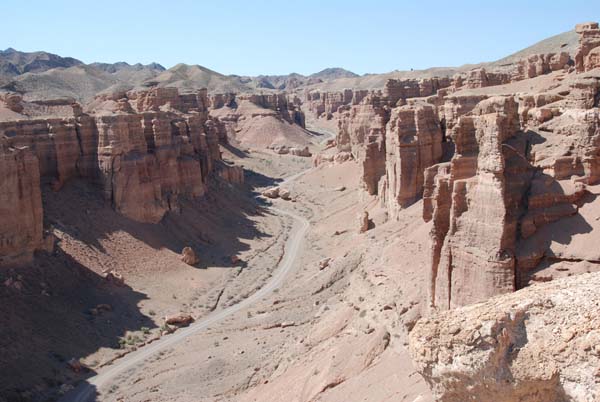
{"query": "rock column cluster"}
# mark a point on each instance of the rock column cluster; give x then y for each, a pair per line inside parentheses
(143, 160)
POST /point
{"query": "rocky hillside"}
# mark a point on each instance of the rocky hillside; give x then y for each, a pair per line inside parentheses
(14, 63)
(540, 344)
(505, 160)
(292, 81)
(42, 76)
(450, 216)
(566, 42)
(495, 160)
(193, 77)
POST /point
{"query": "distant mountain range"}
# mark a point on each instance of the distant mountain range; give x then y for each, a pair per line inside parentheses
(44, 76)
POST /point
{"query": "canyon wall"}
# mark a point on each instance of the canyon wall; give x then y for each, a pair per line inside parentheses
(20, 205)
(285, 105)
(588, 54)
(476, 202)
(394, 154)
(393, 142)
(516, 204)
(493, 171)
(144, 151)
(520, 163)
(413, 143)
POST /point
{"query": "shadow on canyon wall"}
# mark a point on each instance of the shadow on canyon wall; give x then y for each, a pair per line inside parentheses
(49, 320)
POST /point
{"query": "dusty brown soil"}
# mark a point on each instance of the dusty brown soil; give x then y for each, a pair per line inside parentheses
(56, 316)
(334, 334)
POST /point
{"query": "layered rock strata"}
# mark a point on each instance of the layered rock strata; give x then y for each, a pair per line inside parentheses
(281, 103)
(588, 54)
(520, 163)
(475, 201)
(538, 344)
(145, 152)
(20, 205)
(413, 143)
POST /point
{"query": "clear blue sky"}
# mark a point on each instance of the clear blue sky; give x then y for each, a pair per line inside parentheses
(279, 37)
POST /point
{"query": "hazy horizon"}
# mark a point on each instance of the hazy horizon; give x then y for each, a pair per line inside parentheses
(271, 38)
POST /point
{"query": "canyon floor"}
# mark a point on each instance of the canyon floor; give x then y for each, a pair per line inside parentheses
(311, 338)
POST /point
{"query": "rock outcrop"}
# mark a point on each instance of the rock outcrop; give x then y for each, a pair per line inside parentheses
(362, 132)
(20, 205)
(258, 121)
(538, 344)
(143, 161)
(588, 54)
(413, 143)
(277, 102)
(476, 205)
(326, 104)
(145, 152)
(363, 222)
(519, 165)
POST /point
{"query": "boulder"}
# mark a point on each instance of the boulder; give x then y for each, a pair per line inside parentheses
(179, 320)
(324, 263)
(188, 255)
(75, 365)
(300, 152)
(284, 194)
(114, 278)
(363, 222)
(272, 192)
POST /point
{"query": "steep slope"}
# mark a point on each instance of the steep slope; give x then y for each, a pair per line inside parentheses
(13, 62)
(81, 82)
(565, 42)
(193, 77)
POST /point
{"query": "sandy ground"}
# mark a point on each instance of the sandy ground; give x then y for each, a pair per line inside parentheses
(56, 316)
(332, 334)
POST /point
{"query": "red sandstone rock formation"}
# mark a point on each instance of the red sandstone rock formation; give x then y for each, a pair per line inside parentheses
(325, 104)
(520, 164)
(588, 54)
(145, 151)
(362, 132)
(413, 143)
(476, 205)
(278, 102)
(20, 205)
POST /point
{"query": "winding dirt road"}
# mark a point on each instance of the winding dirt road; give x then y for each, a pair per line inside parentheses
(87, 390)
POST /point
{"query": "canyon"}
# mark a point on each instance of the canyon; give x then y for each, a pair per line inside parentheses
(419, 236)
